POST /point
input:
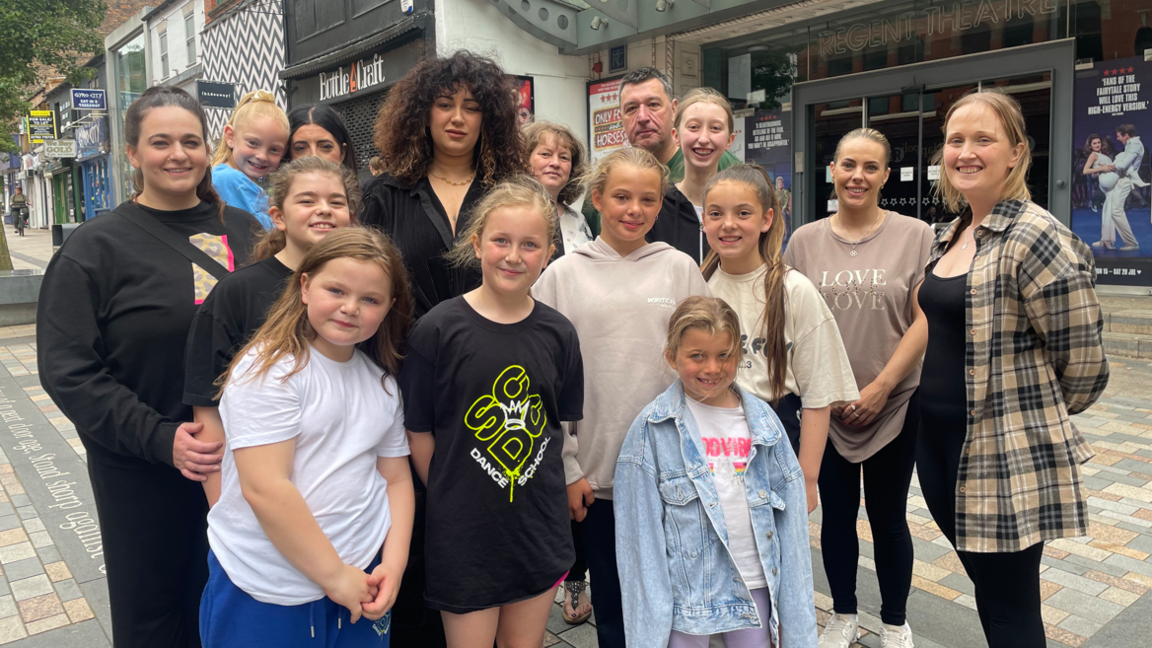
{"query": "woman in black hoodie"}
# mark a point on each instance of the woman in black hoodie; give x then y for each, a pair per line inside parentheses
(113, 317)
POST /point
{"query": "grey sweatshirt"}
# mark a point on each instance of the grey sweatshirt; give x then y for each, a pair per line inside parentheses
(620, 307)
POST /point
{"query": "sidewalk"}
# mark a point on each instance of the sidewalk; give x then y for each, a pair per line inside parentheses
(1096, 589)
(31, 251)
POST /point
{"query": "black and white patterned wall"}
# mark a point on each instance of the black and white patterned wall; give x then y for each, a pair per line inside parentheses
(245, 47)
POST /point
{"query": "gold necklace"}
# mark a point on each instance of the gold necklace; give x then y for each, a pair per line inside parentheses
(455, 184)
(866, 232)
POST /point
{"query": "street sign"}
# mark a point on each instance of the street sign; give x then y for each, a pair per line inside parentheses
(60, 148)
(216, 95)
(41, 125)
(88, 99)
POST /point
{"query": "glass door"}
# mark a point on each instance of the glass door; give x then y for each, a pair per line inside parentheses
(909, 103)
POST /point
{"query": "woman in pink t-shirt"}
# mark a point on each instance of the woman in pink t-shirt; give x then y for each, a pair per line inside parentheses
(867, 263)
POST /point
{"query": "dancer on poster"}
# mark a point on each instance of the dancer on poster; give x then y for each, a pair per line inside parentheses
(1098, 152)
(1127, 166)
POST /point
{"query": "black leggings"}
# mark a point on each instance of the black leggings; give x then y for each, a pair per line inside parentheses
(887, 475)
(1007, 584)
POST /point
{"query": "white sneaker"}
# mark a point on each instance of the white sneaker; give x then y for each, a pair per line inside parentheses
(895, 636)
(842, 631)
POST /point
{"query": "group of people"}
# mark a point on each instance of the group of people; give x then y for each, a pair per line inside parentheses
(409, 415)
(1117, 174)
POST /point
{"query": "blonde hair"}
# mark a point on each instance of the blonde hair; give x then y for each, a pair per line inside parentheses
(287, 331)
(517, 191)
(1007, 110)
(534, 135)
(705, 95)
(709, 314)
(770, 247)
(597, 177)
(258, 103)
(280, 185)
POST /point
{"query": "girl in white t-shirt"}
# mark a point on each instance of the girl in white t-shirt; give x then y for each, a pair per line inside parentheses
(315, 511)
(793, 355)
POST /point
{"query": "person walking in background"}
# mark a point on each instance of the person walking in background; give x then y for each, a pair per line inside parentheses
(1014, 349)
(111, 329)
(255, 139)
(866, 261)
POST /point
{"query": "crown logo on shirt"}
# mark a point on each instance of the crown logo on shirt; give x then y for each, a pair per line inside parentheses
(514, 414)
(508, 421)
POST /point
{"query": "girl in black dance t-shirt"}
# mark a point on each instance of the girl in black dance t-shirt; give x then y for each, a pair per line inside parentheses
(310, 198)
(487, 380)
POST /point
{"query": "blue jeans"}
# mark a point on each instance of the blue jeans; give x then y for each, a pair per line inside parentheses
(230, 617)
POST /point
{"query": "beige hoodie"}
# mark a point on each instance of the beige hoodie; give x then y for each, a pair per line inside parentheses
(620, 307)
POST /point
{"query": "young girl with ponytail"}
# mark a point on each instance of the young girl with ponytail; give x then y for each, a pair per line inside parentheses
(793, 356)
(255, 139)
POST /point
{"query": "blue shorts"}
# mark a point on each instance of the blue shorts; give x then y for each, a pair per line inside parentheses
(230, 617)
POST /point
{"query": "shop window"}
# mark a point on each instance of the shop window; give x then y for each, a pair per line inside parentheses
(840, 66)
(1019, 31)
(315, 16)
(164, 55)
(876, 59)
(190, 35)
(910, 51)
(976, 40)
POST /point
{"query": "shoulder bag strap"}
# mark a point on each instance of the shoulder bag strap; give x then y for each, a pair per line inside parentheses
(133, 214)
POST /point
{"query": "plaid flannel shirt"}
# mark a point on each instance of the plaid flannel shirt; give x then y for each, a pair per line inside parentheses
(1033, 357)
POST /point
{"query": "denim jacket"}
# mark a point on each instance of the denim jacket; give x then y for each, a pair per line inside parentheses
(676, 570)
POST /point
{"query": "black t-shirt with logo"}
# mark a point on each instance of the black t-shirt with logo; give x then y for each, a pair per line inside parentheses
(227, 319)
(493, 395)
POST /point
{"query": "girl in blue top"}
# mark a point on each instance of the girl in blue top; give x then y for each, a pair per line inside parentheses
(711, 515)
(255, 139)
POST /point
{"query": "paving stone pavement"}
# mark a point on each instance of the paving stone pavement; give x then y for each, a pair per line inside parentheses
(1095, 589)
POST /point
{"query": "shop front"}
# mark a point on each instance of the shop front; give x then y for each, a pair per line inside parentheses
(97, 189)
(1077, 67)
(351, 64)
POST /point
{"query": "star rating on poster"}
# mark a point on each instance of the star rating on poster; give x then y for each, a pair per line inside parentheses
(610, 98)
(1117, 71)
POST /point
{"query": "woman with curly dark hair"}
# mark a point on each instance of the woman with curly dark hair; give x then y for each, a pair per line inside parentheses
(446, 133)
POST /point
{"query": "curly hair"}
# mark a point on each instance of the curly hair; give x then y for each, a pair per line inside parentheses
(535, 133)
(401, 132)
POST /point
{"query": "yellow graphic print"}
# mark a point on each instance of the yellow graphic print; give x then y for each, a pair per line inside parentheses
(216, 247)
(510, 420)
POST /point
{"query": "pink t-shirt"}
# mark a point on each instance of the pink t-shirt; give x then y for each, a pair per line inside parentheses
(870, 295)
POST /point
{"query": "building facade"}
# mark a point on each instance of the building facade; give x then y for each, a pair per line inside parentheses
(244, 48)
(173, 29)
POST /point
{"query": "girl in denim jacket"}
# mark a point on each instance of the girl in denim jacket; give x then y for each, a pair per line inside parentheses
(711, 518)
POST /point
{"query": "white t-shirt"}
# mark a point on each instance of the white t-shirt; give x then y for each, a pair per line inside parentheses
(818, 368)
(727, 443)
(342, 418)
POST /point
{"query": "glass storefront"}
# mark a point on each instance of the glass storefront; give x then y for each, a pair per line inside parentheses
(757, 71)
(131, 79)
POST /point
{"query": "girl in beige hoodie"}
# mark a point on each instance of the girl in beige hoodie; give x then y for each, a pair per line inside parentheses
(619, 292)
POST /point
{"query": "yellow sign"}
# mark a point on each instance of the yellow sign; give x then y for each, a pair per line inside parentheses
(41, 126)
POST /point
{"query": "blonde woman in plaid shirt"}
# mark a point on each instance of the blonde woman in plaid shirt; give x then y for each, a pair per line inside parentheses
(1013, 350)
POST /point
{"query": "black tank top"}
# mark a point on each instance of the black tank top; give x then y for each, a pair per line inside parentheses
(943, 392)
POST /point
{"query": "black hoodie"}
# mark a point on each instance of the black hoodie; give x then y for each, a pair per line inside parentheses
(679, 226)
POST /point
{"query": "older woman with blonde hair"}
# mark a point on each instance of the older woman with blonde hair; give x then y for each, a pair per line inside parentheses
(1014, 349)
(558, 160)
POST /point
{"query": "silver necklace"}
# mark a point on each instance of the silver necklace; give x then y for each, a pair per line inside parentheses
(866, 232)
(970, 240)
